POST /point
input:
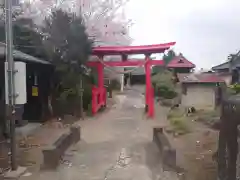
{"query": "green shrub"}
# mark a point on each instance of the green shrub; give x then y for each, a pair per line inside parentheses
(235, 88)
(89, 109)
(87, 96)
(178, 121)
(68, 96)
(165, 92)
(163, 85)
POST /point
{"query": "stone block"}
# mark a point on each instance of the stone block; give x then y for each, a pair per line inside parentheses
(51, 157)
(169, 157)
(76, 133)
(52, 154)
(168, 153)
(13, 175)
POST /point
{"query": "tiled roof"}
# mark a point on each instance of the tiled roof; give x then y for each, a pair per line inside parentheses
(223, 74)
(199, 78)
(221, 66)
(180, 62)
(20, 55)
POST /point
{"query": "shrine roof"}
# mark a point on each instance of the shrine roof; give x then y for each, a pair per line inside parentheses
(128, 50)
(180, 62)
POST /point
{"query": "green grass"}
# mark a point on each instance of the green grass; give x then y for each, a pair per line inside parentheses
(175, 113)
(208, 117)
(178, 122)
(179, 125)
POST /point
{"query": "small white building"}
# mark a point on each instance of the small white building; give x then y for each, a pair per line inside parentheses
(201, 91)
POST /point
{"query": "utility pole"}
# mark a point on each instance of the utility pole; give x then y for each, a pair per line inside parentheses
(10, 72)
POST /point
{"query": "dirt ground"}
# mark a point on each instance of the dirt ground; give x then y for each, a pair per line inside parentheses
(195, 150)
(30, 146)
(123, 128)
(115, 145)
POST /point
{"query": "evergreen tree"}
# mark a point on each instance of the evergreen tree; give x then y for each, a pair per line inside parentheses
(26, 38)
(68, 48)
(168, 57)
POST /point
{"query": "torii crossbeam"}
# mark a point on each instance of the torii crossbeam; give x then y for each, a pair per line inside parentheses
(99, 92)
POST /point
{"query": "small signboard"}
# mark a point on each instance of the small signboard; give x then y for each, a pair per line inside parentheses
(19, 83)
(34, 91)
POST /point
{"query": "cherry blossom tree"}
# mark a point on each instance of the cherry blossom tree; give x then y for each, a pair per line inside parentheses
(105, 20)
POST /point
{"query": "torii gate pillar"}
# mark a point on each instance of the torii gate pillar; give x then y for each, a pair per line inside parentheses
(149, 90)
(100, 70)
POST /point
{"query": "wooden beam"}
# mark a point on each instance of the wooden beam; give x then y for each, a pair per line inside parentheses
(125, 63)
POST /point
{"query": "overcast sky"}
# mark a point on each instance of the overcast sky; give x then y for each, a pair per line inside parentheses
(205, 31)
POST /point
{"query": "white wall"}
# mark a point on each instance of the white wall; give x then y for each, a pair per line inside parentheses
(227, 79)
(199, 96)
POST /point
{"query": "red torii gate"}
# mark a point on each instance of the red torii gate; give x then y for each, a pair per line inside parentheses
(99, 92)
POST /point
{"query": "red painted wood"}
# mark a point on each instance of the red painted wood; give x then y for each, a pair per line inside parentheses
(149, 89)
(125, 63)
(99, 92)
(98, 98)
(118, 50)
(100, 69)
(157, 62)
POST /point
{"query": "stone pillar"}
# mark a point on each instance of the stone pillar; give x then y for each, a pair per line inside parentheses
(129, 80)
(122, 82)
